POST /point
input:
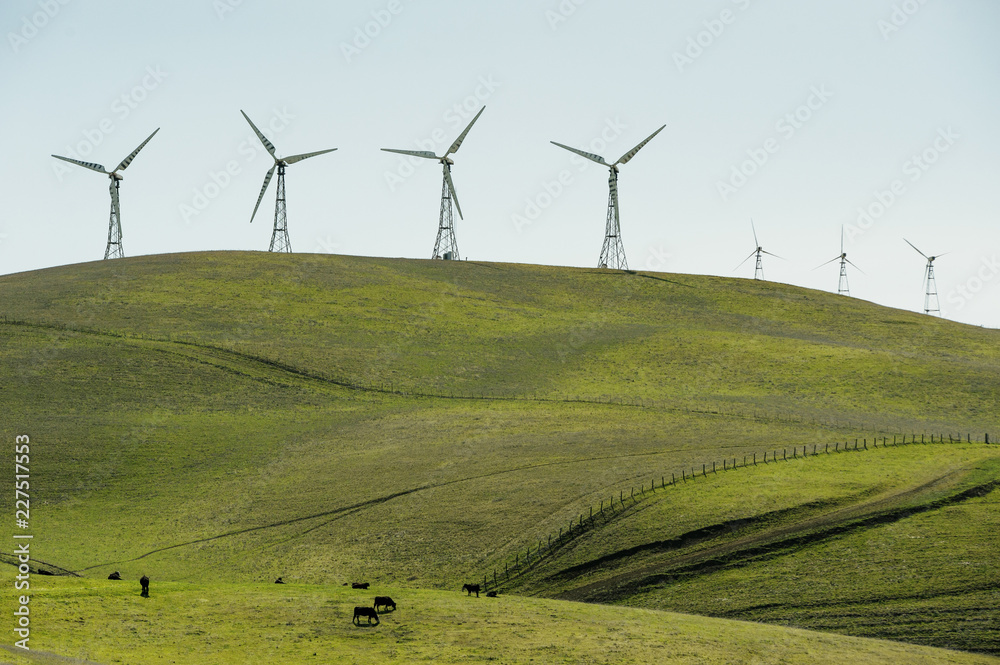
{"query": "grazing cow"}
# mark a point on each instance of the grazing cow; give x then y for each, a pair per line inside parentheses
(360, 585)
(470, 589)
(491, 594)
(115, 576)
(365, 612)
(144, 581)
(279, 581)
(384, 602)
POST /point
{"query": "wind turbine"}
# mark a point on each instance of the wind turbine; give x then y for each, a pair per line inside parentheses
(613, 251)
(446, 246)
(842, 286)
(931, 302)
(758, 272)
(279, 238)
(114, 248)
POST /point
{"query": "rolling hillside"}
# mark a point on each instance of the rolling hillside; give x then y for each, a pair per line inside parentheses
(246, 415)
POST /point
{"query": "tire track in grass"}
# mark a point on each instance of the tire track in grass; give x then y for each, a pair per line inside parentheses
(339, 513)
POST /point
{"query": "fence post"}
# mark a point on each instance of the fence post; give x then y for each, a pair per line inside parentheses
(755, 459)
(673, 478)
(703, 469)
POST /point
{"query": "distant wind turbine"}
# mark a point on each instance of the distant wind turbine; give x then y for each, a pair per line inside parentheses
(758, 272)
(114, 247)
(842, 286)
(931, 303)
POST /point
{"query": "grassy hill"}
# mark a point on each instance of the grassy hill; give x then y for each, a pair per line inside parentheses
(240, 416)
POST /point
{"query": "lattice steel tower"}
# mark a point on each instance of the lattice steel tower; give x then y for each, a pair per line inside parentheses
(279, 238)
(445, 246)
(612, 251)
(113, 250)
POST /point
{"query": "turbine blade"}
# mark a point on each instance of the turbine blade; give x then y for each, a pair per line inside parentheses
(128, 160)
(915, 247)
(267, 179)
(631, 153)
(856, 267)
(752, 254)
(267, 144)
(306, 155)
(589, 155)
(755, 242)
(841, 238)
(764, 251)
(87, 165)
(461, 137)
(451, 190)
(416, 153)
(836, 258)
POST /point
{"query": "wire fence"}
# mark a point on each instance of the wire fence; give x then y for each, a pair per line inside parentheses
(614, 507)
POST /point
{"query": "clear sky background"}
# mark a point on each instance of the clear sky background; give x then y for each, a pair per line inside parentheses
(884, 106)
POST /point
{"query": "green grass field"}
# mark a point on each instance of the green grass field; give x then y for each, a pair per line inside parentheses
(239, 416)
(106, 622)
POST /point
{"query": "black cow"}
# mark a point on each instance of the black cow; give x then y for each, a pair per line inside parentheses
(360, 585)
(471, 588)
(144, 581)
(279, 581)
(384, 602)
(491, 594)
(115, 576)
(365, 612)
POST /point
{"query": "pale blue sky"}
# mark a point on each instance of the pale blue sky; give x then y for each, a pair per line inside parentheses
(882, 90)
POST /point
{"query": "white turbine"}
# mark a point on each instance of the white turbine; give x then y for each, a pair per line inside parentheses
(758, 272)
(279, 237)
(843, 288)
(113, 250)
(931, 303)
(446, 246)
(613, 251)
